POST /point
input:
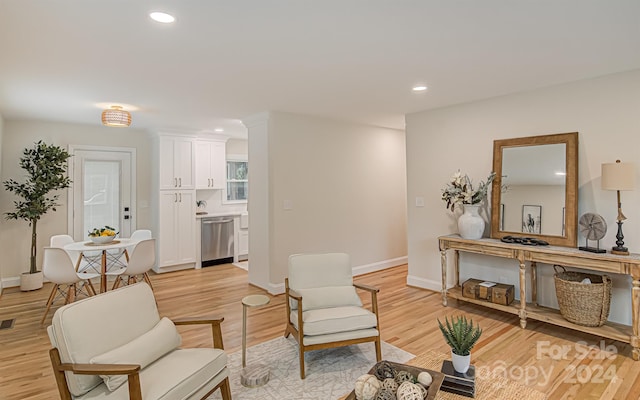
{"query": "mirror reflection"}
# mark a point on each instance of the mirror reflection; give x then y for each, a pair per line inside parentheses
(534, 186)
(535, 192)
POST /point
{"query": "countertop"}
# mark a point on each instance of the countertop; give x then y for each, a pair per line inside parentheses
(223, 214)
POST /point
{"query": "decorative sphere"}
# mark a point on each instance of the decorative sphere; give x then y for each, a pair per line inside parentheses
(390, 384)
(403, 376)
(367, 387)
(384, 370)
(410, 391)
(425, 379)
(386, 394)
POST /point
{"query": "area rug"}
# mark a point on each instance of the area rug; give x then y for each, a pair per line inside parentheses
(487, 388)
(331, 373)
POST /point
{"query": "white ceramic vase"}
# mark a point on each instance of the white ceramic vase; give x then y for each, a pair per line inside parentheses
(470, 223)
(460, 363)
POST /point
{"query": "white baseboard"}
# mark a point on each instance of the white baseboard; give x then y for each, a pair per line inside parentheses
(422, 283)
(276, 289)
(379, 266)
(11, 282)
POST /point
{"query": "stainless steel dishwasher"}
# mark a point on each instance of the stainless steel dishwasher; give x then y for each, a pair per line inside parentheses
(217, 241)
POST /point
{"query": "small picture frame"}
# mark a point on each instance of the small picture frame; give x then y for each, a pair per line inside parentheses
(563, 232)
(501, 217)
(532, 219)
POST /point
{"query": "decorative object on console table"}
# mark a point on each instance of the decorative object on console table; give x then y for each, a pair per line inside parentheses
(592, 227)
(497, 293)
(583, 299)
(460, 191)
(619, 176)
(461, 335)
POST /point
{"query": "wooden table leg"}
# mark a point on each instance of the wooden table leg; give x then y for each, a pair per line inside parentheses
(103, 272)
(534, 283)
(635, 309)
(456, 269)
(523, 296)
(443, 263)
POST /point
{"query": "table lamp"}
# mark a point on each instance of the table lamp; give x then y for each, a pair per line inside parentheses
(619, 176)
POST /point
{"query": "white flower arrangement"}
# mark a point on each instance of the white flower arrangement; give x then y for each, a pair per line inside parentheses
(460, 190)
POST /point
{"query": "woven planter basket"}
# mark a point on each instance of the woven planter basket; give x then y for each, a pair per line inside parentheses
(580, 303)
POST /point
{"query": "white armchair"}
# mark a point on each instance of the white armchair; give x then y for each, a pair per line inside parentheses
(321, 285)
(104, 341)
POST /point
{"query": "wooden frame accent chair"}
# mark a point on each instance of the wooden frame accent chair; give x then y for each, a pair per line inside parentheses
(115, 346)
(321, 285)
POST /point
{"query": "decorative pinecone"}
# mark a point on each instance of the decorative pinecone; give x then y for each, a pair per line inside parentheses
(384, 370)
(404, 376)
(386, 394)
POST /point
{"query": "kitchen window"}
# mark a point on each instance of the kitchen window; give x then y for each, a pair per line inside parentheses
(237, 180)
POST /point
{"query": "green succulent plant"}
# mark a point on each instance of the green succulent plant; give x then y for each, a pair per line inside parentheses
(460, 334)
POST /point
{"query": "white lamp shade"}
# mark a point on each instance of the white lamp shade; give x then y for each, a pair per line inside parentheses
(618, 176)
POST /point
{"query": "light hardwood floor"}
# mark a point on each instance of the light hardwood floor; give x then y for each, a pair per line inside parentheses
(408, 321)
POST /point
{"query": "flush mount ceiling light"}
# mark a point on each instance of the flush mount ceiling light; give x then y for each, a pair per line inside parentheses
(419, 88)
(162, 17)
(218, 130)
(117, 117)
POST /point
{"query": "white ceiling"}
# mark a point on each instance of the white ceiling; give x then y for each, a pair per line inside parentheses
(354, 60)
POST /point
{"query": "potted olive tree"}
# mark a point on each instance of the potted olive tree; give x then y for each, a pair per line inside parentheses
(461, 335)
(45, 166)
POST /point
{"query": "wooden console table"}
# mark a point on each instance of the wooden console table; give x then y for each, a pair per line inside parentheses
(571, 257)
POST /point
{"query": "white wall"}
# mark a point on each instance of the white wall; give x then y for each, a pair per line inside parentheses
(15, 235)
(605, 113)
(345, 184)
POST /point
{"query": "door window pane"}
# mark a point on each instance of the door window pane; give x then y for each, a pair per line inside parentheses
(101, 194)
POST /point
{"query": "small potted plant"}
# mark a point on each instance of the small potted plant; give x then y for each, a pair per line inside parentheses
(461, 335)
(45, 166)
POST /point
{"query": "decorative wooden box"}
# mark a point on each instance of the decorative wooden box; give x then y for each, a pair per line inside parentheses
(438, 377)
(498, 293)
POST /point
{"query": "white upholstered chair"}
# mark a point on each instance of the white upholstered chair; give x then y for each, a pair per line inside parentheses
(141, 260)
(58, 268)
(115, 346)
(332, 313)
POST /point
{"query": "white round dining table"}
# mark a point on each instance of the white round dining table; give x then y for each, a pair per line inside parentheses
(89, 246)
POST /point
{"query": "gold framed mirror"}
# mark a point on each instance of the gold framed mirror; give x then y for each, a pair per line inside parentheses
(535, 191)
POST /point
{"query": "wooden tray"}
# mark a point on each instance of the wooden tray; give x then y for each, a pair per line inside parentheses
(438, 377)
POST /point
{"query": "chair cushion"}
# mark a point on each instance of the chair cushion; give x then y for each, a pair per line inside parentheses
(143, 350)
(319, 270)
(93, 326)
(327, 297)
(334, 320)
(180, 374)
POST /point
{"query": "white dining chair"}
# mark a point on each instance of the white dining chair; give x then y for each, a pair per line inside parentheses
(58, 268)
(88, 261)
(141, 260)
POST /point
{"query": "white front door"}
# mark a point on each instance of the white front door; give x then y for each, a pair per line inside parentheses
(102, 190)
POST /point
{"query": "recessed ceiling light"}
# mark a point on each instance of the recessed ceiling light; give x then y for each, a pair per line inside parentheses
(559, 173)
(219, 130)
(162, 17)
(419, 88)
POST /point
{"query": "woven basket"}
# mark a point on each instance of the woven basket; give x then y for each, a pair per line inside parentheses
(580, 303)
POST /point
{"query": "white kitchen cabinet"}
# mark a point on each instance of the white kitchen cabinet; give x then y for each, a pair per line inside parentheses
(210, 164)
(176, 163)
(243, 244)
(177, 229)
